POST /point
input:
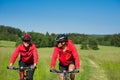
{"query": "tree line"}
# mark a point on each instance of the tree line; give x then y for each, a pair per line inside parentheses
(9, 33)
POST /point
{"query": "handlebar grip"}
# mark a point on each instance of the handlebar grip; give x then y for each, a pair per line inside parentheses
(8, 67)
(76, 71)
(50, 70)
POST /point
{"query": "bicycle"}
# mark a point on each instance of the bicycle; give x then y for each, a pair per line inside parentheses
(66, 74)
(25, 76)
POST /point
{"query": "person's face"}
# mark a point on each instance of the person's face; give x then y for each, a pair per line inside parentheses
(26, 43)
(60, 44)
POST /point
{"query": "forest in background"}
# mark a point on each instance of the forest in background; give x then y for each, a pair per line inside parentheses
(9, 33)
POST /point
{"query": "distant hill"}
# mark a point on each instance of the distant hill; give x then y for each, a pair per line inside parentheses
(9, 33)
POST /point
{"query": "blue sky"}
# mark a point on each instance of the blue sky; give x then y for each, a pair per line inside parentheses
(62, 16)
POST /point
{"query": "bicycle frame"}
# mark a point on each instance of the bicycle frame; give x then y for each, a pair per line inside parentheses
(23, 76)
(65, 75)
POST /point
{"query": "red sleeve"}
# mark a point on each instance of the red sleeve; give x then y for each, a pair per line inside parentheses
(76, 56)
(15, 55)
(54, 57)
(35, 53)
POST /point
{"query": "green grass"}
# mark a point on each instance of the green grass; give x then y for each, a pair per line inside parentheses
(106, 67)
(108, 58)
(7, 44)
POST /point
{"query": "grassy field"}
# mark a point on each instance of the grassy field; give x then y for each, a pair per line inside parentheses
(103, 64)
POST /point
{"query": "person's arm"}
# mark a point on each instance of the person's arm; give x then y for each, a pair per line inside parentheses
(14, 56)
(35, 53)
(76, 57)
(54, 57)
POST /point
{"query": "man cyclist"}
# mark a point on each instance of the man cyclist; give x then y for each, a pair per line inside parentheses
(68, 56)
(28, 56)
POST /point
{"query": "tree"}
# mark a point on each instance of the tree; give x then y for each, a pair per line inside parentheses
(115, 40)
(84, 42)
(84, 45)
(93, 44)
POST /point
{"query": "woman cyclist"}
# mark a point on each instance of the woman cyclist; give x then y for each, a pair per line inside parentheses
(28, 56)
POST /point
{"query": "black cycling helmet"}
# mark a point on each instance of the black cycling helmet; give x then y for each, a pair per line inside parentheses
(26, 37)
(61, 37)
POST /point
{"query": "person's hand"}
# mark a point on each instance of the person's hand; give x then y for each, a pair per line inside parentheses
(76, 70)
(10, 67)
(52, 70)
(32, 66)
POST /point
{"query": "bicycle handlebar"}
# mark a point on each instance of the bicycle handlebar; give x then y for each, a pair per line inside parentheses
(57, 71)
(23, 68)
(14, 68)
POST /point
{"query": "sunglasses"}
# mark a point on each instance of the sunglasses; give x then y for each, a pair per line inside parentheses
(60, 41)
(26, 40)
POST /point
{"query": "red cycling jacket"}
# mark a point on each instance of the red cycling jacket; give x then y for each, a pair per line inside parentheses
(66, 57)
(30, 56)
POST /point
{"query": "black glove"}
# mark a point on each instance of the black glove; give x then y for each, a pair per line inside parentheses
(76, 70)
(52, 70)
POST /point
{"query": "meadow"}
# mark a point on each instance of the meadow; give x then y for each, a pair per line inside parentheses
(102, 64)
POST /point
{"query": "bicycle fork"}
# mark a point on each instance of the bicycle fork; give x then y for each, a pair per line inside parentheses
(66, 76)
(23, 76)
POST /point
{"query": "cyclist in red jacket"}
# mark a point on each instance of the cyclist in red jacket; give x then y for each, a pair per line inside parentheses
(28, 56)
(68, 56)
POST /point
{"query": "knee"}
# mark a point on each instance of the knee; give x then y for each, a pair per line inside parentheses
(71, 67)
(61, 76)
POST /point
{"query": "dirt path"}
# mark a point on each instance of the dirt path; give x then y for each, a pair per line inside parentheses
(97, 73)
